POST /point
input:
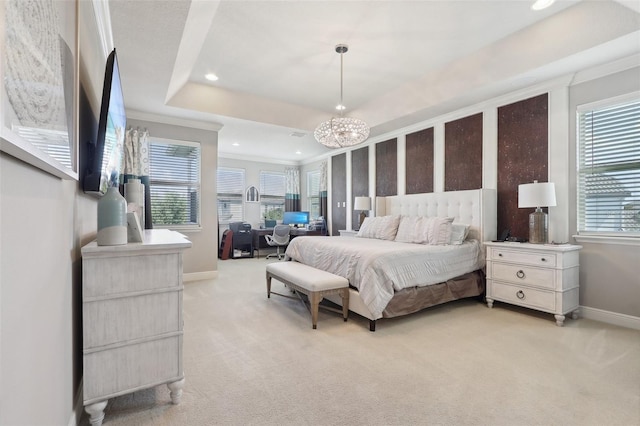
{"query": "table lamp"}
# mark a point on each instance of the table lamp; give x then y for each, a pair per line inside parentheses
(538, 195)
(363, 204)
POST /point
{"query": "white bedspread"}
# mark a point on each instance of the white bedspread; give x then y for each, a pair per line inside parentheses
(377, 268)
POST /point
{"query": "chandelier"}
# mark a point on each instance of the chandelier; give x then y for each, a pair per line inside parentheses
(340, 132)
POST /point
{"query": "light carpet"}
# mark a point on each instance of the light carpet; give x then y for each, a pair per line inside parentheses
(249, 360)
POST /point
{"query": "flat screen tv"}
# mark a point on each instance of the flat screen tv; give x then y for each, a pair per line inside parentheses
(295, 218)
(105, 155)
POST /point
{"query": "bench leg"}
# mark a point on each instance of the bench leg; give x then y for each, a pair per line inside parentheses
(268, 286)
(345, 303)
(314, 301)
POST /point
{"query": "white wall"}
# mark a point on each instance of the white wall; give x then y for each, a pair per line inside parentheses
(608, 268)
(201, 260)
(44, 221)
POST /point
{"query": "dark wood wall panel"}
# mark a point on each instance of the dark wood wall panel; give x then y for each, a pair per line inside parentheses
(419, 162)
(359, 180)
(338, 193)
(522, 158)
(387, 168)
(463, 153)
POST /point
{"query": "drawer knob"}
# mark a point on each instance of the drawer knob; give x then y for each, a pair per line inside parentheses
(499, 254)
(520, 294)
(520, 274)
(543, 259)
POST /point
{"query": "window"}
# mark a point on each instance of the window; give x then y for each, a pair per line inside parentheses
(609, 167)
(272, 193)
(174, 183)
(230, 195)
(313, 193)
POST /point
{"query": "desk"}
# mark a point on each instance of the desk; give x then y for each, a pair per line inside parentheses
(259, 241)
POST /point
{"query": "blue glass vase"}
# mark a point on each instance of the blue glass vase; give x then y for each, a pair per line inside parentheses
(112, 218)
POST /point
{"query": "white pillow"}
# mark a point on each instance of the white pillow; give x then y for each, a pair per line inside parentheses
(387, 227)
(459, 232)
(407, 229)
(368, 227)
(439, 230)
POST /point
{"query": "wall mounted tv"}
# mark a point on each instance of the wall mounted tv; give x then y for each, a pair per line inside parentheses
(105, 154)
(295, 218)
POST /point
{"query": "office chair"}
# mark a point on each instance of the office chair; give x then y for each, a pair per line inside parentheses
(280, 238)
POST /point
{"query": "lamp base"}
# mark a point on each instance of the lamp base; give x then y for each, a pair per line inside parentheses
(538, 227)
(362, 216)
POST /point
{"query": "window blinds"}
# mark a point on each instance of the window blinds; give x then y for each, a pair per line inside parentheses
(230, 194)
(272, 193)
(174, 180)
(609, 168)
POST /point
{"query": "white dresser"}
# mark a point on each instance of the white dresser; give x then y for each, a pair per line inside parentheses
(536, 276)
(132, 318)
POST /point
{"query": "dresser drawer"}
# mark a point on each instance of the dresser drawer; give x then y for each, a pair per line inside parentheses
(518, 274)
(523, 296)
(124, 319)
(125, 369)
(524, 258)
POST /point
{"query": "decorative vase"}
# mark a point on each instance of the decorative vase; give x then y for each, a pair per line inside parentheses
(112, 218)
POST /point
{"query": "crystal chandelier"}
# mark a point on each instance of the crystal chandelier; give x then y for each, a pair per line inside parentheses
(339, 132)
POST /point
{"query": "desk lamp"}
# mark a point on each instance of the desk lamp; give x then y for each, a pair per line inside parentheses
(538, 195)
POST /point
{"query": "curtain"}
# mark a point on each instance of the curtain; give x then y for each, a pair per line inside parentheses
(136, 165)
(292, 192)
(323, 189)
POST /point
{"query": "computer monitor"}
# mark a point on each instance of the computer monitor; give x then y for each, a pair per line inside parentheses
(295, 218)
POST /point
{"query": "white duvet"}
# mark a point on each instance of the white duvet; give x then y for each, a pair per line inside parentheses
(377, 268)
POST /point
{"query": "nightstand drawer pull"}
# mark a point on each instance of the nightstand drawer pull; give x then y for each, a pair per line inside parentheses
(543, 259)
(520, 294)
(520, 274)
(499, 254)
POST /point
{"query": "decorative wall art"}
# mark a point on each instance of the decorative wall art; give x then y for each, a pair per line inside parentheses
(38, 107)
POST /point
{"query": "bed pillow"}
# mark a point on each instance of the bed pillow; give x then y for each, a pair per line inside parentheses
(368, 227)
(439, 230)
(407, 229)
(459, 232)
(388, 227)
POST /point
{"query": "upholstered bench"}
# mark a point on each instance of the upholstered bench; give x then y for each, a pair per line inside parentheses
(310, 281)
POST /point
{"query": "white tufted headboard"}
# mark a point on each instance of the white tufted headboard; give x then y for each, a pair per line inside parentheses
(477, 208)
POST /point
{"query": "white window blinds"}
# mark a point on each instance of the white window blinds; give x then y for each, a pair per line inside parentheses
(174, 180)
(230, 194)
(313, 193)
(609, 168)
(272, 193)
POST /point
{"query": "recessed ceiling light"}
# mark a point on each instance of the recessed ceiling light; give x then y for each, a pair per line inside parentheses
(211, 77)
(298, 152)
(235, 144)
(542, 4)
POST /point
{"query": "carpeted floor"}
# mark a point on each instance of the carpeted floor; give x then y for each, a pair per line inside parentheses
(249, 360)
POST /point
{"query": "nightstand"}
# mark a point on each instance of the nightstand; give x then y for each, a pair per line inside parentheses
(346, 233)
(536, 276)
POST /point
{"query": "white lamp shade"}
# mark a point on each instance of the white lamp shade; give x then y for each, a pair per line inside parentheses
(537, 194)
(362, 203)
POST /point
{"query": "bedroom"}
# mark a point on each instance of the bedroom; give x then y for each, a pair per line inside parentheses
(49, 332)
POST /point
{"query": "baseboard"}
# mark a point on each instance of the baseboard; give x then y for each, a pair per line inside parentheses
(609, 317)
(198, 276)
(77, 407)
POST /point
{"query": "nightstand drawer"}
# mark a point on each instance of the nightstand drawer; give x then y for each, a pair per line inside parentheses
(525, 258)
(537, 277)
(524, 296)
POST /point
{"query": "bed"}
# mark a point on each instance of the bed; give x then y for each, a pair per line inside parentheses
(394, 271)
